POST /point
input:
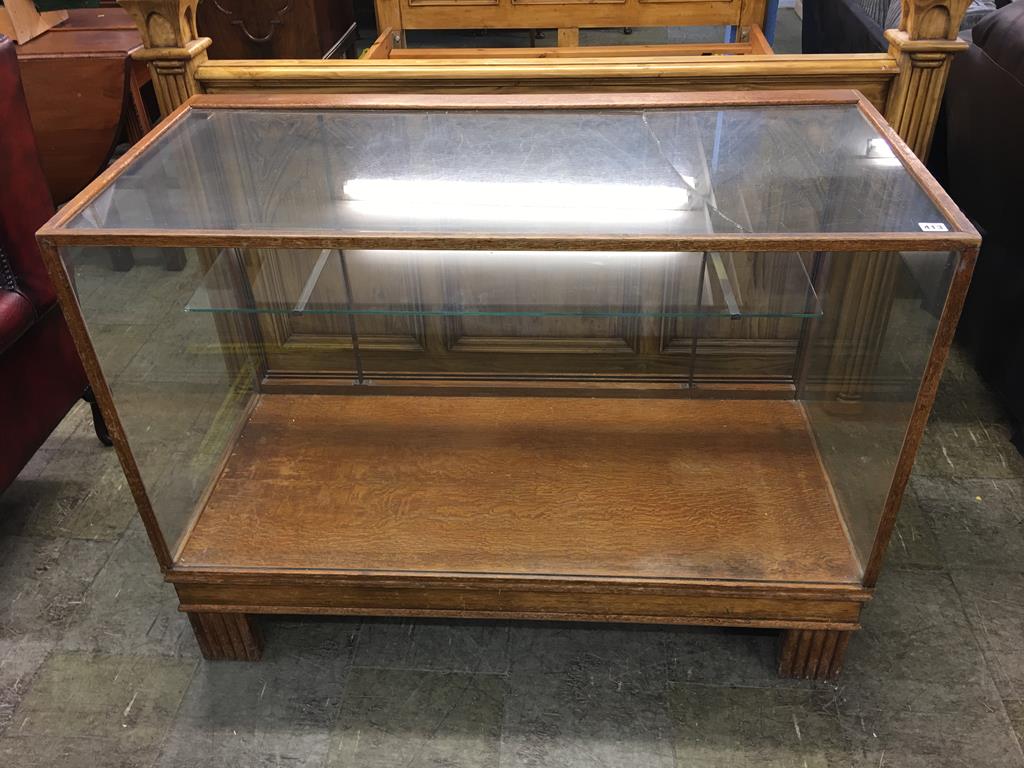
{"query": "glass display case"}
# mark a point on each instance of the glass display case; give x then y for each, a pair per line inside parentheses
(653, 358)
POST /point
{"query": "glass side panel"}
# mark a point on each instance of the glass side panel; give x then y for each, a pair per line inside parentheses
(598, 173)
(505, 283)
(614, 383)
(865, 360)
(180, 387)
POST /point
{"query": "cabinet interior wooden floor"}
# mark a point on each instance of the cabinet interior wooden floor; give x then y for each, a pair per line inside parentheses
(578, 487)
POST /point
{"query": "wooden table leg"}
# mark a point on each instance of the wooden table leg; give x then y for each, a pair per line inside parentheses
(227, 636)
(813, 654)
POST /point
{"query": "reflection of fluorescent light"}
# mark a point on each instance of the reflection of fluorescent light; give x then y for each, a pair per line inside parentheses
(518, 214)
(522, 194)
(880, 151)
(594, 258)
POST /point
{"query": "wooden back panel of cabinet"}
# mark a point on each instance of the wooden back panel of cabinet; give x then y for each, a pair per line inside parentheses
(270, 29)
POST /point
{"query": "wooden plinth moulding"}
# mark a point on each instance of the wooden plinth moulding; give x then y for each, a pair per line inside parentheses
(813, 654)
(227, 636)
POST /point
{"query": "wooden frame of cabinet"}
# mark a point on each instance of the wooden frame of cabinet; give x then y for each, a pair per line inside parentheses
(817, 612)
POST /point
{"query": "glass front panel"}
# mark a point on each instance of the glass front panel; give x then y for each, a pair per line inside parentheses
(574, 173)
(761, 395)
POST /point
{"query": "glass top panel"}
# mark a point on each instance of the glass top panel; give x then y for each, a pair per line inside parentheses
(508, 284)
(599, 173)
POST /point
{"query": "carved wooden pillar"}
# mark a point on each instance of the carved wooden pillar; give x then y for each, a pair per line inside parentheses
(171, 47)
(924, 45)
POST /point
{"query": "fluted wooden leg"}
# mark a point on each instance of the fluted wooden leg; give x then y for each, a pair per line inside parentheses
(227, 636)
(813, 654)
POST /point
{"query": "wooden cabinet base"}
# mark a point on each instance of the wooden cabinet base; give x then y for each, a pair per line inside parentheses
(816, 621)
(813, 654)
(227, 636)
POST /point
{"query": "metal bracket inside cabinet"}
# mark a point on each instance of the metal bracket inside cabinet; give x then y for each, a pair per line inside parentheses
(311, 281)
(360, 379)
(722, 275)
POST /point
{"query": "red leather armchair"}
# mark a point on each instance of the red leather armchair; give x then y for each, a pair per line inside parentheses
(41, 376)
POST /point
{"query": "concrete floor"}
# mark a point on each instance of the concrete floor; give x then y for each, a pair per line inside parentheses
(98, 669)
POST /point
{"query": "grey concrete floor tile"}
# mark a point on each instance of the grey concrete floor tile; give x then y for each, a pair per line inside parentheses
(331, 639)
(978, 523)
(42, 582)
(83, 495)
(73, 423)
(467, 646)
(916, 689)
(963, 398)
(80, 492)
(994, 603)
(737, 727)
(914, 542)
(89, 710)
(278, 711)
(968, 737)
(26, 493)
(128, 608)
(418, 718)
(600, 651)
(581, 717)
(1015, 712)
(969, 448)
(20, 659)
(915, 618)
(724, 656)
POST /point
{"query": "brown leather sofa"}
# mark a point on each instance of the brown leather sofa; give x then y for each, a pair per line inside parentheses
(41, 376)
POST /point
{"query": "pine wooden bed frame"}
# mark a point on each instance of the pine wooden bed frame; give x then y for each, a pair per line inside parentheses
(905, 83)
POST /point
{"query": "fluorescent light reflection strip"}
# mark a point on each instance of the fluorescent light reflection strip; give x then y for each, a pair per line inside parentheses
(592, 258)
(540, 201)
(541, 194)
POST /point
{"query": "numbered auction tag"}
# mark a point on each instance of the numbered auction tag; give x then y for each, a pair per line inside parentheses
(929, 226)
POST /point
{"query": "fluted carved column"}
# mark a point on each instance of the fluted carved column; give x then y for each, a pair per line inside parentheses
(171, 47)
(924, 46)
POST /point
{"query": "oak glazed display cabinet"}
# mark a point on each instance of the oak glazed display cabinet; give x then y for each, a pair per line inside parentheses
(574, 357)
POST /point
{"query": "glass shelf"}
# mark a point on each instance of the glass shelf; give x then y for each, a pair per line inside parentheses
(507, 284)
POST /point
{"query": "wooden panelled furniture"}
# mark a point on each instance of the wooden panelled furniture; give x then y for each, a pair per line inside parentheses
(387, 46)
(597, 357)
(279, 29)
(85, 93)
(395, 17)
